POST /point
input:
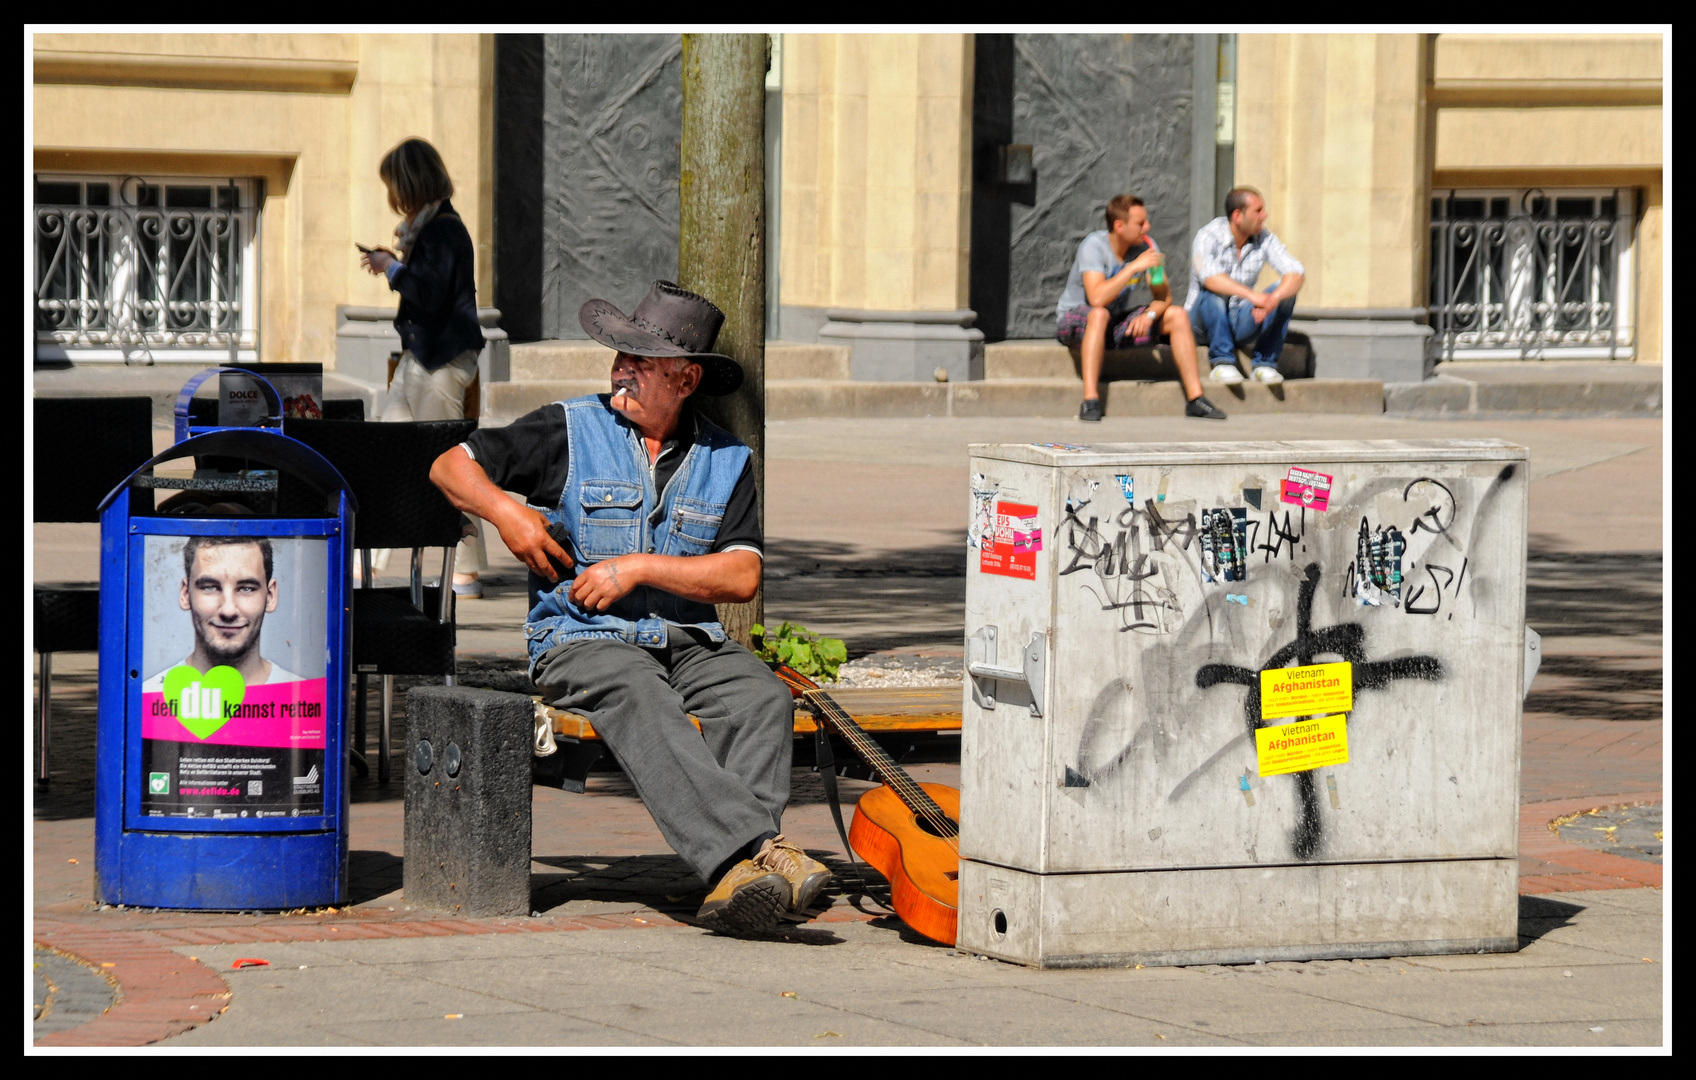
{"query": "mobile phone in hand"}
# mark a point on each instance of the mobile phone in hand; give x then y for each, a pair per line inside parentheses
(557, 531)
(363, 248)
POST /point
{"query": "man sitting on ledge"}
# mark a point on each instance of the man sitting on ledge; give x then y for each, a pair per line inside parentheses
(1225, 262)
(659, 519)
(1117, 288)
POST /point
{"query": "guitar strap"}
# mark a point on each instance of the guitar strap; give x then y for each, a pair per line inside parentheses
(825, 758)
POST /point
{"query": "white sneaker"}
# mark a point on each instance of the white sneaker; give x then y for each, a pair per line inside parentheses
(1226, 373)
(1269, 375)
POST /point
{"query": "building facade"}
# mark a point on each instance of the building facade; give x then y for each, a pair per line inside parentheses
(1463, 196)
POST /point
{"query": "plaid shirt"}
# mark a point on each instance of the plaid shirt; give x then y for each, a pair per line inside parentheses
(1215, 252)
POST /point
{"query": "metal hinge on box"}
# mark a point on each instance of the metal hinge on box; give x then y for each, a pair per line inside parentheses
(981, 665)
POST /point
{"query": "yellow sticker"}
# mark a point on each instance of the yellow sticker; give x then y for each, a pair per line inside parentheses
(1303, 745)
(1307, 691)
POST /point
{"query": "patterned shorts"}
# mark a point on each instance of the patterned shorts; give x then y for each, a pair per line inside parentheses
(1069, 329)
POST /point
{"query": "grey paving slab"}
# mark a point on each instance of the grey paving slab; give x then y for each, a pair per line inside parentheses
(1229, 1007)
(776, 971)
(571, 982)
(1626, 936)
(327, 992)
(1387, 1036)
(1618, 901)
(1609, 1033)
(1616, 992)
(68, 993)
(1547, 954)
(871, 988)
(251, 1028)
(503, 1029)
(1013, 1016)
(732, 1017)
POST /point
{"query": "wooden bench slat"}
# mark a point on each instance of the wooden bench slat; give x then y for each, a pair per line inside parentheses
(876, 710)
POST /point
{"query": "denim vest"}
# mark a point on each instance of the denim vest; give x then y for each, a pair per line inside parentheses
(610, 508)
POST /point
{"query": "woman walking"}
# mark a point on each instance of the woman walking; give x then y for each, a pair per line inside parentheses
(433, 270)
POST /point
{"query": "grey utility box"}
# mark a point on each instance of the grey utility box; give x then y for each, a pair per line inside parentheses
(1126, 796)
(468, 795)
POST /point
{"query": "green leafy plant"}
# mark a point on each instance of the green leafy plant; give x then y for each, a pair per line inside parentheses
(812, 655)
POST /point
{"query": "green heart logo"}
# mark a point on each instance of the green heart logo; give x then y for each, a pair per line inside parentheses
(200, 701)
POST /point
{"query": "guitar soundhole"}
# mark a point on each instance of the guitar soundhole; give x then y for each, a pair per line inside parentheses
(927, 826)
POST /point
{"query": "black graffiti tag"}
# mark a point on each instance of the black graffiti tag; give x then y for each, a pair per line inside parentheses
(1440, 514)
(1124, 570)
(1442, 578)
(1345, 640)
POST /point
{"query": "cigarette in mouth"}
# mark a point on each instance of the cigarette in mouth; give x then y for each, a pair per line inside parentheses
(621, 391)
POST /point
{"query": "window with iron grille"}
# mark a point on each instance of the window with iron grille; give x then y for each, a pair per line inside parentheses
(1529, 274)
(146, 268)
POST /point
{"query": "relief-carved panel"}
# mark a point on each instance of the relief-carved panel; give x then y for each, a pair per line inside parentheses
(1104, 113)
(612, 121)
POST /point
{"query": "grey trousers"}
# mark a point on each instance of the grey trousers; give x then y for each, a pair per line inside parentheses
(713, 791)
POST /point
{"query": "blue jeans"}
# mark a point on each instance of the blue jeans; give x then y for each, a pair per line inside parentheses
(1229, 324)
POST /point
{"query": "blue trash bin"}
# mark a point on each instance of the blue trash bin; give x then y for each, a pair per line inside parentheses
(224, 642)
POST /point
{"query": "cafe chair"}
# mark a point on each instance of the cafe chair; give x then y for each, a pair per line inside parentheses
(409, 629)
(84, 447)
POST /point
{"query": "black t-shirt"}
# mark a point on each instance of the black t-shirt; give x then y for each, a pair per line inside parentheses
(529, 456)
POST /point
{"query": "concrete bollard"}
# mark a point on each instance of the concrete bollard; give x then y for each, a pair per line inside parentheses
(467, 769)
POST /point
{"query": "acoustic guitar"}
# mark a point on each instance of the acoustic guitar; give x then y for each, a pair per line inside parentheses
(907, 831)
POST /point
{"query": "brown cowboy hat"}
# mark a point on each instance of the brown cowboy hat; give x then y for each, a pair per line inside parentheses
(670, 321)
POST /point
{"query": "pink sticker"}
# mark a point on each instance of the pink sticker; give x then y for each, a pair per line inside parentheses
(1304, 487)
(1011, 549)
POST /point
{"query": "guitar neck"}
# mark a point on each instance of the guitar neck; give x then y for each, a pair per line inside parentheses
(827, 711)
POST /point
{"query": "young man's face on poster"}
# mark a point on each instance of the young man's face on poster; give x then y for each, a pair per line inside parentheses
(228, 593)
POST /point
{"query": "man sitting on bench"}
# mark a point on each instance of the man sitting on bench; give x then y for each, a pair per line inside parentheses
(650, 515)
(1117, 289)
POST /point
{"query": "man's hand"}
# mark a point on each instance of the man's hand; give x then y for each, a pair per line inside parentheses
(1148, 260)
(523, 530)
(1263, 305)
(602, 584)
(1140, 326)
(525, 533)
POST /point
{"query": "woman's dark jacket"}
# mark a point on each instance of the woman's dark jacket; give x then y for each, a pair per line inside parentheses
(438, 292)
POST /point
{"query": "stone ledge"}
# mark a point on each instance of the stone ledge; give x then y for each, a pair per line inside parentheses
(1531, 387)
(1060, 397)
(1045, 358)
(556, 360)
(794, 399)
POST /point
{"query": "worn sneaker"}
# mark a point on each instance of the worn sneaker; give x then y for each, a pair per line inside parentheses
(749, 899)
(1090, 409)
(1270, 375)
(1206, 410)
(806, 876)
(1229, 374)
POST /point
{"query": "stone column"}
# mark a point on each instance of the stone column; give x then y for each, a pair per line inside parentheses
(1331, 130)
(876, 230)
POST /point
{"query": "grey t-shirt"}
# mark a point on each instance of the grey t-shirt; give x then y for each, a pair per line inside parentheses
(1096, 253)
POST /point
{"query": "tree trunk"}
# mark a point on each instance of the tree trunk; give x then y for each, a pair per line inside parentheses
(721, 236)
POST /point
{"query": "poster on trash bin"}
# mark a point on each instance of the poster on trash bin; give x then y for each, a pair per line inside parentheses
(233, 703)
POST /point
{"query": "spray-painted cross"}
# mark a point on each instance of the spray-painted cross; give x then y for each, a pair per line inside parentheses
(1346, 640)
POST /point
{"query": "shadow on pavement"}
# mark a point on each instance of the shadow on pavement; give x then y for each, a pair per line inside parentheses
(662, 881)
(872, 599)
(1593, 593)
(371, 874)
(1538, 915)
